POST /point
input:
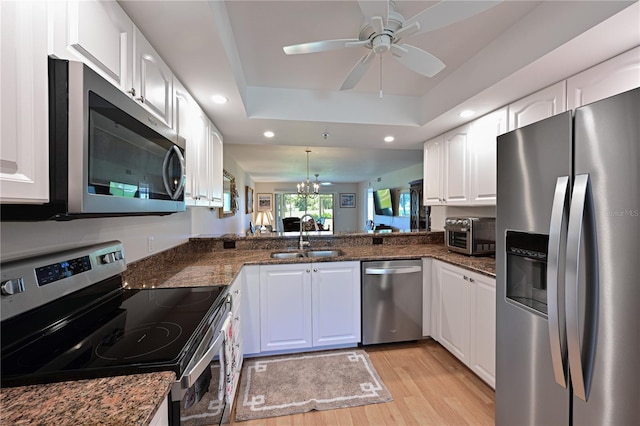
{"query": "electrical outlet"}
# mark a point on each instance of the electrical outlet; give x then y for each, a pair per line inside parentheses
(150, 241)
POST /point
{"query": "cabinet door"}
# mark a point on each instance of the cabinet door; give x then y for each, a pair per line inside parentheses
(538, 106)
(336, 303)
(483, 156)
(482, 351)
(453, 321)
(214, 167)
(432, 191)
(24, 124)
(609, 78)
(152, 79)
(285, 307)
(456, 166)
(195, 188)
(250, 310)
(98, 33)
(426, 297)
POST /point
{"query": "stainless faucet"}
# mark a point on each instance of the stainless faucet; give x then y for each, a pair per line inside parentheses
(302, 244)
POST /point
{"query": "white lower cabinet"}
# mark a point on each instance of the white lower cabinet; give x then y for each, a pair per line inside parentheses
(309, 305)
(335, 307)
(482, 342)
(466, 317)
(161, 418)
(251, 309)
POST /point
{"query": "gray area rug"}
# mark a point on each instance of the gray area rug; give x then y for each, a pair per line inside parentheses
(291, 384)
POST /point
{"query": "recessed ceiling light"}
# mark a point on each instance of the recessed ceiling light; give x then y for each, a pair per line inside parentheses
(269, 134)
(389, 139)
(326, 184)
(219, 99)
(466, 113)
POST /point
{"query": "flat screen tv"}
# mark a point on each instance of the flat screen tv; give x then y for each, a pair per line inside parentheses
(382, 202)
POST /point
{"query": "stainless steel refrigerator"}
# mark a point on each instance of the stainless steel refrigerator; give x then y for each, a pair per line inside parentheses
(568, 268)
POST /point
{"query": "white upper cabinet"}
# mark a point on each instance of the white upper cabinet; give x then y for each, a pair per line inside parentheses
(24, 128)
(215, 168)
(483, 156)
(609, 78)
(432, 191)
(538, 106)
(97, 33)
(152, 79)
(456, 166)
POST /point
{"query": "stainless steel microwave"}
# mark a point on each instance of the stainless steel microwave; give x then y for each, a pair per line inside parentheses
(473, 236)
(108, 156)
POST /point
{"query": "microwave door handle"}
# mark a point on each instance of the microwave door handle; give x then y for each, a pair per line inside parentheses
(557, 335)
(582, 224)
(165, 173)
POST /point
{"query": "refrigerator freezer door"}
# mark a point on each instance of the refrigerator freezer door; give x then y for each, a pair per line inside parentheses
(530, 160)
(607, 148)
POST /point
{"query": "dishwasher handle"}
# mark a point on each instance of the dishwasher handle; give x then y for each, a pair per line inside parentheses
(393, 271)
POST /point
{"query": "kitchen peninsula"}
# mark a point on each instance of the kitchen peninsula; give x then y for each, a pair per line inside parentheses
(204, 261)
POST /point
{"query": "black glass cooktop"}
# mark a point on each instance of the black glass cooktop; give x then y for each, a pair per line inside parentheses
(124, 332)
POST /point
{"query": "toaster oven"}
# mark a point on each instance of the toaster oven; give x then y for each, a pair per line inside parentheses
(473, 236)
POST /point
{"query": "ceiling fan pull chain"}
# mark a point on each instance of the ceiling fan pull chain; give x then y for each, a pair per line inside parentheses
(380, 76)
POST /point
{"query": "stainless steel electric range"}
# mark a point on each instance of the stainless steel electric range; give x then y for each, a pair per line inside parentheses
(66, 316)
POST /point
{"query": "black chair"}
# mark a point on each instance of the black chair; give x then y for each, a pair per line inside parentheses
(291, 224)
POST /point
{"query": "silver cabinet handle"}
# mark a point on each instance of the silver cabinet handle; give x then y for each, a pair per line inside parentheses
(140, 99)
(466, 278)
(471, 280)
(557, 335)
(315, 269)
(391, 271)
(132, 92)
(581, 223)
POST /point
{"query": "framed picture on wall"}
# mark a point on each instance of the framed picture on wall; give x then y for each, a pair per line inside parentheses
(249, 199)
(347, 200)
(264, 202)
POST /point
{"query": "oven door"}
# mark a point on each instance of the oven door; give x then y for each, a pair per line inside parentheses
(458, 240)
(198, 394)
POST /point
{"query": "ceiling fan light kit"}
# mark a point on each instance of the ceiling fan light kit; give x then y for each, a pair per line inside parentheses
(385, 27)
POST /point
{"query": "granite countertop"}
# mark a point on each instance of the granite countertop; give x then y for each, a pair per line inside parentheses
(220, 267)
(134, 400)
(121, 400)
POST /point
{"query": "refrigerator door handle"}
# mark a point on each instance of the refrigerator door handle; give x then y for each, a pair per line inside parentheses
(557, 228)
(581, 225)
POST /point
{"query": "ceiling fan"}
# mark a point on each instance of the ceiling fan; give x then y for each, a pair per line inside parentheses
(384, 29)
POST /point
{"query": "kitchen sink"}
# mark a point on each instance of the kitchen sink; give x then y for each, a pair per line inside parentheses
(324, 253)
(286, 255)
(306, 253)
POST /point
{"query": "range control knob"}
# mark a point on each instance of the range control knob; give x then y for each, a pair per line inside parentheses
(111, 257)
(14, 286)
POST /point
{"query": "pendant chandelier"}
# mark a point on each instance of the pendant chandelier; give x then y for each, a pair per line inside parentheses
(308, 188)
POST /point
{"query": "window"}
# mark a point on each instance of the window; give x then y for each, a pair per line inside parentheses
(294, 205)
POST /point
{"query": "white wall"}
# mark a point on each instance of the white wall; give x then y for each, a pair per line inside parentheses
(23, 238)
(344, 220)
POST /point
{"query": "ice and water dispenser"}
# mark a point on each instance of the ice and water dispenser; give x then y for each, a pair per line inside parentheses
(527, 270)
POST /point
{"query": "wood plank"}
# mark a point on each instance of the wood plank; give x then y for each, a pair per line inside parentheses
(429, 387)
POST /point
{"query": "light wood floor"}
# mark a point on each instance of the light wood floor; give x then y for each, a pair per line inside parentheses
(429, 387)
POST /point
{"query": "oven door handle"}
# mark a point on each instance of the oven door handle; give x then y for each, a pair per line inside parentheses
(189, 378)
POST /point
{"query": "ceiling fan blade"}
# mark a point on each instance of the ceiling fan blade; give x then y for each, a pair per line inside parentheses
(417, 59)
(448, 12)
(318, 46)
(372, 9)
(358, 71)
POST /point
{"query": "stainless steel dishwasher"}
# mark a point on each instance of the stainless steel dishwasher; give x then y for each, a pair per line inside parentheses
(391, 301)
